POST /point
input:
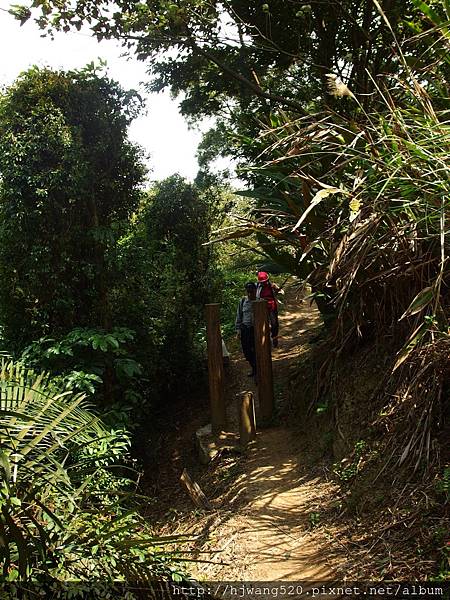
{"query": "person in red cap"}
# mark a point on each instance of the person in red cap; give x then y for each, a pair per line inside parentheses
(266, 290)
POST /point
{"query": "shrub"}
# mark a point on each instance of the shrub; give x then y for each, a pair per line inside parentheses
(67, 508)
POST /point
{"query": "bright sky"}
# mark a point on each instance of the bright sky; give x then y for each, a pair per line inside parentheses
(162, 131)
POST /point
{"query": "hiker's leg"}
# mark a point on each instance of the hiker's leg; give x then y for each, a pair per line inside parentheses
(246, 343)
(252, 351)
(248, 347)
(274, 325)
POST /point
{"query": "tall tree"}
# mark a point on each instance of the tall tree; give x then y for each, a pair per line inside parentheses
(69, 176)
(168, 271)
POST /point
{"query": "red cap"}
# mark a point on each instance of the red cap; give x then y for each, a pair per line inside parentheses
(263, 276)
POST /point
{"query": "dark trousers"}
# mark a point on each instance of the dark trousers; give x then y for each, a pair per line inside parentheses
(274, 325)
(248, 345)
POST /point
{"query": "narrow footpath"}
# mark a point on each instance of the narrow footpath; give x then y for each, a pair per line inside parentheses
(266, 526)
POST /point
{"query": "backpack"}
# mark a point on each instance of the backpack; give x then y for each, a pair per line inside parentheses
(265, 291)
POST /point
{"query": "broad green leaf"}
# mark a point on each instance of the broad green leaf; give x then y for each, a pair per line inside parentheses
(429, 12)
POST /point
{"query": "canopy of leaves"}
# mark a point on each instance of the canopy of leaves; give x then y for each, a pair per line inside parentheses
(241, 61)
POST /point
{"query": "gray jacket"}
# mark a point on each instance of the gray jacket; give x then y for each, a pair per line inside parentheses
(244, 315)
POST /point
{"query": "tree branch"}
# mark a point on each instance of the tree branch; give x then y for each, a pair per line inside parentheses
(256, 89)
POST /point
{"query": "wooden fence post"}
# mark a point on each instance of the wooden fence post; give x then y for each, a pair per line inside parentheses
(263, 360)
(215, 367)
(247, 425)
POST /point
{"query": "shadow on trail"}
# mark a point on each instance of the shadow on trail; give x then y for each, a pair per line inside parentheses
(267, 525)
(275, 501)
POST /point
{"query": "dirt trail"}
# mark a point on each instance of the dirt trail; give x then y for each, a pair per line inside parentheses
(274, 513)
(264, 527)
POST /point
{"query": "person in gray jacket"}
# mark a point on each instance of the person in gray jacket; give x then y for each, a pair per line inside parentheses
(244, 326)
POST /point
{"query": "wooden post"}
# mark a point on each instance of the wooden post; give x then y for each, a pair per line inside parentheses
(263, 360)
(247, 425)
(215, 368)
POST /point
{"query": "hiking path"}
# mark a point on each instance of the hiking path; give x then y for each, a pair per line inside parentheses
(265, 527)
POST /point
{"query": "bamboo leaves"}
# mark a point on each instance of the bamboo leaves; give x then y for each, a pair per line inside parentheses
(413, 341)
(421, 301)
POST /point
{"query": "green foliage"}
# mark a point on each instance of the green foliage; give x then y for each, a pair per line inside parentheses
(167, 276)
(359, 201)
(246, 62)
(276, 52)
(81, 357)
(347, 470)
(69, 179)
(314, 519)
(347, 473)
(101, 282)
(443, 484)
(66, 508)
